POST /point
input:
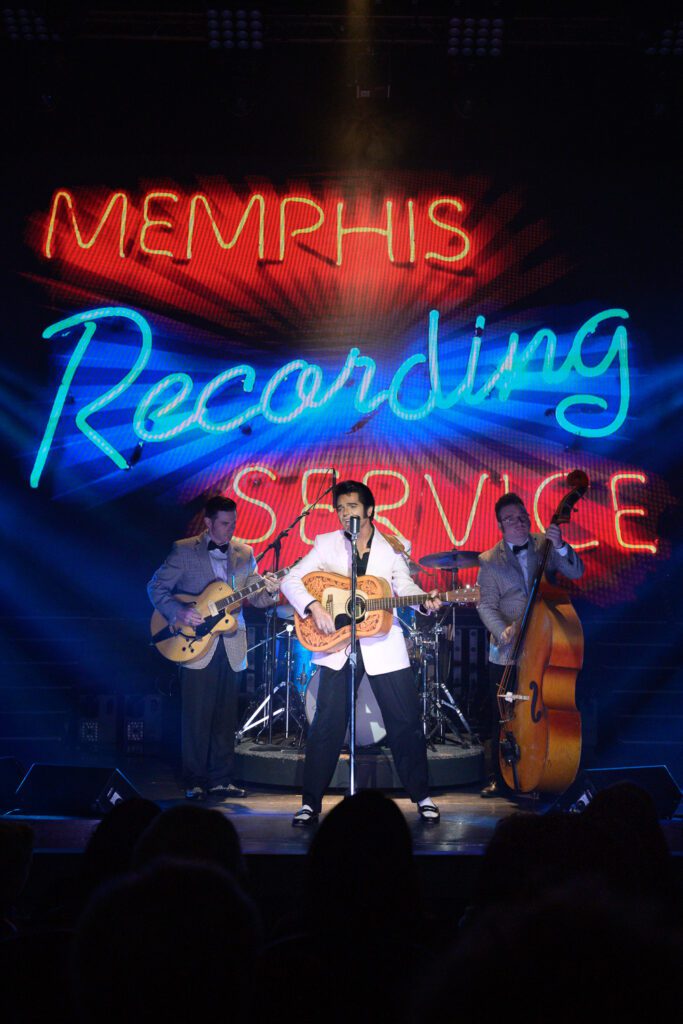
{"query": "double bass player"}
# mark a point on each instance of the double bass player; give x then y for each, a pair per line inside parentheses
(505, 574)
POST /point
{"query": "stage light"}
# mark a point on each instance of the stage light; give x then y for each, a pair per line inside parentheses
(28, 26)
(667, 43)
(475, 37)
(238, 29)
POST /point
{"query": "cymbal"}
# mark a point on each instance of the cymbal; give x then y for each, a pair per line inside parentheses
(451, 560)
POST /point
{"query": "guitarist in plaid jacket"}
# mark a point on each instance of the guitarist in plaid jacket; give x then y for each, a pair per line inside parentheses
(210, 683)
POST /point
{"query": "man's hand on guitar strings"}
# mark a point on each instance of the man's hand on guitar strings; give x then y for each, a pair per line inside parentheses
(432, 604)
(189, 616)
(323, 620)
(271, 582)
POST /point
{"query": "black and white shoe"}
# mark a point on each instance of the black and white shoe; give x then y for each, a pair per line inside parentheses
(227, 792)
(429, 813)
(306, 816)
(195, 793)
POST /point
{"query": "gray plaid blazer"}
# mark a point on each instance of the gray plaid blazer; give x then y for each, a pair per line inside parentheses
(188, 570)
(503, 589)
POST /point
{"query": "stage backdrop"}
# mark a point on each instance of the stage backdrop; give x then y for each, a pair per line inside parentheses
(443, 336)
(423, 333)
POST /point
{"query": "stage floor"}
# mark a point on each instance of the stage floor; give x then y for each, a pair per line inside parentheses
(263, 822)
(448, 855)
(263, 818)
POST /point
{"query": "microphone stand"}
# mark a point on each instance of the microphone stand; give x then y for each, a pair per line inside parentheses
(276, 547)
(354, 526)
(272, 663)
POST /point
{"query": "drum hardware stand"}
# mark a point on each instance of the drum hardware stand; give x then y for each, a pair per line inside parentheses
(254, 721)
(289, 629)
(452, 561)
(438, 715)
(450, 703)
(272, 713)
(289, 716)
(276, 547)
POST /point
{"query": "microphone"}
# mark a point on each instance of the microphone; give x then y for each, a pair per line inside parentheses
(354, 525)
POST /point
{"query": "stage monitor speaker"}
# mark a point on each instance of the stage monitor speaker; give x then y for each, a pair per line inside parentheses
(73, 790)
(655, 779)
(11, 774)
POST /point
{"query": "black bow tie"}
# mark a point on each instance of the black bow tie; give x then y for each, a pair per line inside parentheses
(218, 547)
(516, 548)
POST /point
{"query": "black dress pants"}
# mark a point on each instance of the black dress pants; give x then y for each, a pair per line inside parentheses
(491, 728)
(209, 720)
(397, 698)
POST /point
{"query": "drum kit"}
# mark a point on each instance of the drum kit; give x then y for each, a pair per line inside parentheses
(296, 677)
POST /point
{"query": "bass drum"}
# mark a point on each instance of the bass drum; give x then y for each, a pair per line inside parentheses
(369, 722)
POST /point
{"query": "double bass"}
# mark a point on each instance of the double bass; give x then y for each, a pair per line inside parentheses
(540, 725)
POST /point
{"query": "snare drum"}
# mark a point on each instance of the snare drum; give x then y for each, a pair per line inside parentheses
(369, 722)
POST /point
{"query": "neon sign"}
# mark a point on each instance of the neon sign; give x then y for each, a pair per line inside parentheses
(199, 211)
(438, 503)
(468, 506)
(159, 415)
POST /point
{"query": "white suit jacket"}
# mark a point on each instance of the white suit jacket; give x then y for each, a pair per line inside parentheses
(332, 552)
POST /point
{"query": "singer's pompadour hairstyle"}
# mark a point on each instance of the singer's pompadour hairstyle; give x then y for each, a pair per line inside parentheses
(367, 499)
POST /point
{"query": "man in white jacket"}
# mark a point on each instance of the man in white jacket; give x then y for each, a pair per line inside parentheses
(383, 658)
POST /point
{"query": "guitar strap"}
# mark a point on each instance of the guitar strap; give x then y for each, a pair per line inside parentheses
(393, 541)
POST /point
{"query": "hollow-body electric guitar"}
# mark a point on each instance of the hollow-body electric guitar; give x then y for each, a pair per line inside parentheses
(181, 643)
(374, 603)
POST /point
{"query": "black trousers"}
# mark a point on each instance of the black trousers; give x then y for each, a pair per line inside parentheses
(209, 720)
(397, 697)
(491, 727)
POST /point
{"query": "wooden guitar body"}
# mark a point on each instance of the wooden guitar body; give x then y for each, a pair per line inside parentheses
(215, 603)
(185, 643)
(334, 593)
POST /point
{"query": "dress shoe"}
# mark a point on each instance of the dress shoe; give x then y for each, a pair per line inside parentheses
(306, 816)
(195, 793)
(227, 792)
(429, 813)
(491, 789)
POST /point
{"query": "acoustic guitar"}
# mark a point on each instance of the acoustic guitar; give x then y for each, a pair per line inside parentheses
(181, 643)
(374, 603)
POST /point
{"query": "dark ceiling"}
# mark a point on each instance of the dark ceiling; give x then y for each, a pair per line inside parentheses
(341, 84)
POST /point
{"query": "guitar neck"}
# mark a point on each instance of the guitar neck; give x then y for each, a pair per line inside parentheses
(238, 596)
(387, 603)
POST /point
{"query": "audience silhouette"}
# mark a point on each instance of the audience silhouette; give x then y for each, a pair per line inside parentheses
(572, 916)
(188, 832)
(173, 942)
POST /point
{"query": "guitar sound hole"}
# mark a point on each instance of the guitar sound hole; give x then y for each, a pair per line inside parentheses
(360, 609)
